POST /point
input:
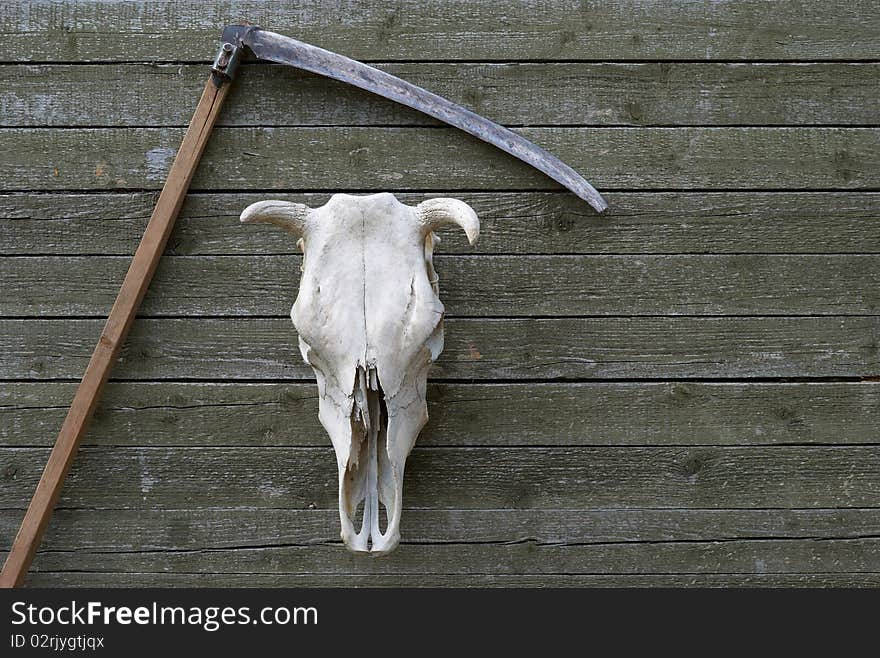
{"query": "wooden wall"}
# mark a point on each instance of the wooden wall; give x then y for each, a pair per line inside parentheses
(683, 391)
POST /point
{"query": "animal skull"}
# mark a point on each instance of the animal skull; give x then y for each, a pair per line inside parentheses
(370, 324)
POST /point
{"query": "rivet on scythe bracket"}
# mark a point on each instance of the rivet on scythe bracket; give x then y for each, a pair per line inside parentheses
(226, 62)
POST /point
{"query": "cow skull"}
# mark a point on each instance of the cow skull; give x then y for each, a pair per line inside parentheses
(370, 324)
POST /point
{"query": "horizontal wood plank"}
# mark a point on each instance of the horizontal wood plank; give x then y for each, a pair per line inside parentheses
(536, 222)
(734, 556)
(382, 159)
(174, 30)
(471, 286)
(566, 348)
(463, 478)
(682, 94)
(200, 529)
(262, 415)
(83, 578)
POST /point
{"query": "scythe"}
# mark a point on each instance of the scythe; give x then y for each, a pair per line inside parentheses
(271, 47)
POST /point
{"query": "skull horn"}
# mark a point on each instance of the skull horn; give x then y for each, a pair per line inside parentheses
(291, 217)
(435, 213)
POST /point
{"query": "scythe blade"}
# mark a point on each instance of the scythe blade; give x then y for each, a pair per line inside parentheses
(280, 49)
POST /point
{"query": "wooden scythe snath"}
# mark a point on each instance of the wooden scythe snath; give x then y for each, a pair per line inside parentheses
(274, 48)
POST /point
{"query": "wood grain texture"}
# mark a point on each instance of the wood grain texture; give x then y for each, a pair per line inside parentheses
(77, 578)
(157, 30)
(512, 223)
(528, 348)
(384, 159)
(504, 558)
(680, 392)
(472, 286)
(298, 543)
(730, 556)
(683, 94)
(198, 529)
(716, 477)
(528, 414)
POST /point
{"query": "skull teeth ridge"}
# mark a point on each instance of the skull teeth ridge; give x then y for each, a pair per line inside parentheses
(368, 484)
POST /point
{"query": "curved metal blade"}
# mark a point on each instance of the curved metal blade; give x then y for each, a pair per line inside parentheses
(285, 50)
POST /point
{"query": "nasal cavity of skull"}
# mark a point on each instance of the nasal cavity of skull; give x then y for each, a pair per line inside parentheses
(368, 487)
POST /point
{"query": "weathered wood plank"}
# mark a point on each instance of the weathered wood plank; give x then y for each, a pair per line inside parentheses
(463, 478)
(685, 94)
(78, 578)
(472, 286)
(536, 222)
(199, 529)
(156, 30)
(353, 158)
(569, 348)
(736, 556)
(675, 413)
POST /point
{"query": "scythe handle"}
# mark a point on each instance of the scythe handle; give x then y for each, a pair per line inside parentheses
(134, 287)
